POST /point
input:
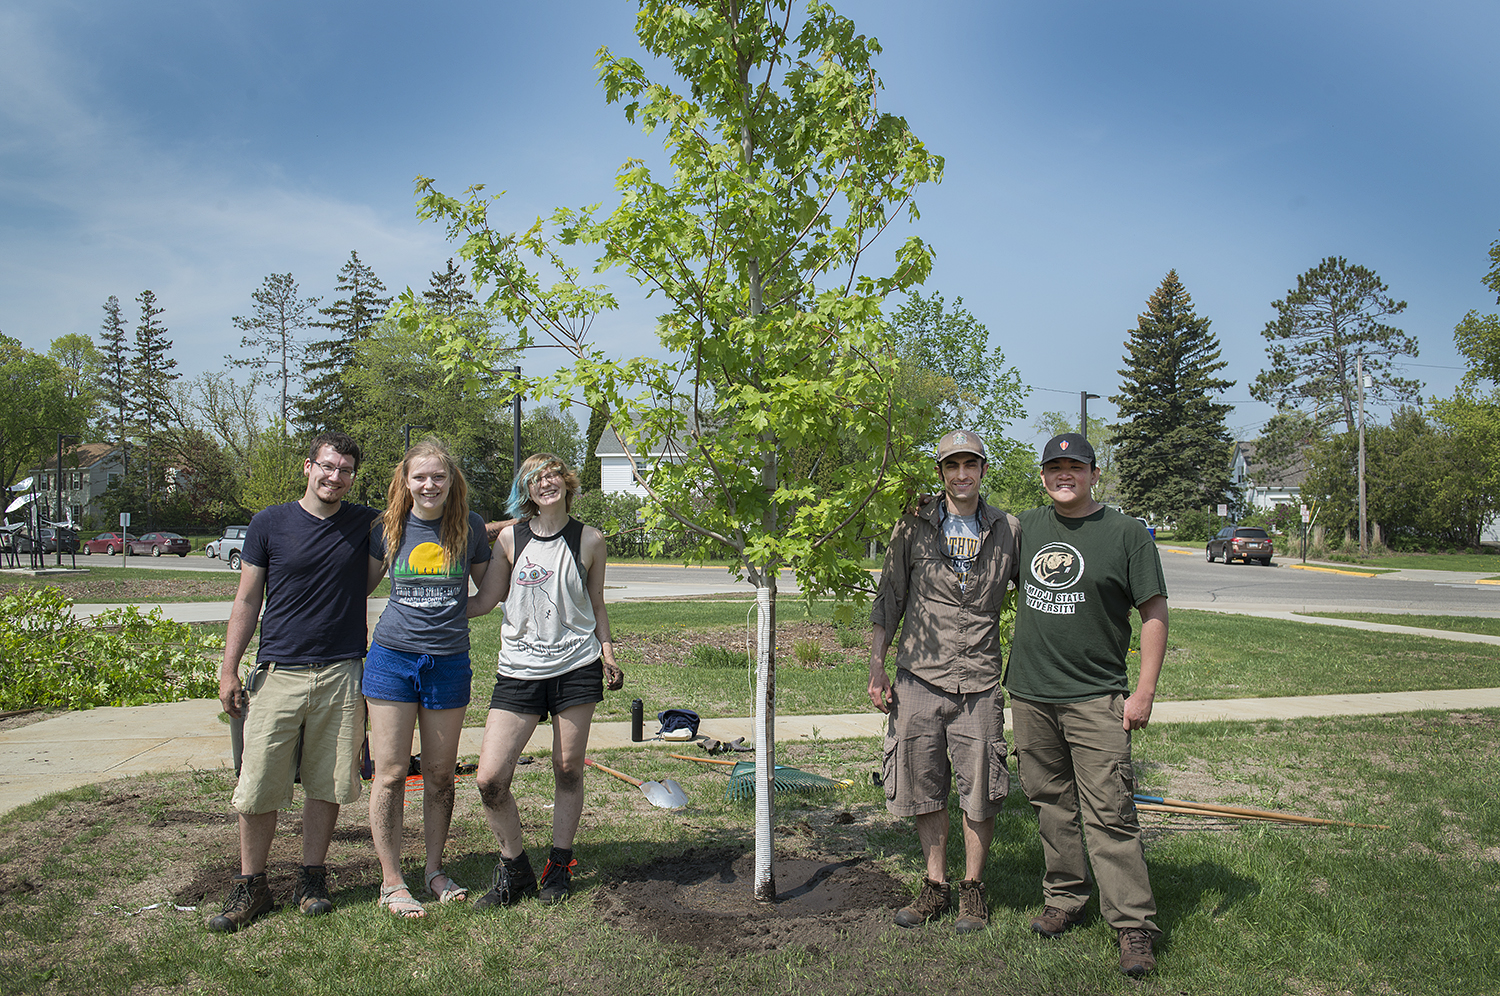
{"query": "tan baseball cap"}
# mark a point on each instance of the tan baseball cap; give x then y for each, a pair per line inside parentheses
(960, 441)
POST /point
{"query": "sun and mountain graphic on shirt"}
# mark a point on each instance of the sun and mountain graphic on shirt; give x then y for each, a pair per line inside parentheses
(425, 562)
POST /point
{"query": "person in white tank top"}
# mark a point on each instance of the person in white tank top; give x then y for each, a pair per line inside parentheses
(556, 658)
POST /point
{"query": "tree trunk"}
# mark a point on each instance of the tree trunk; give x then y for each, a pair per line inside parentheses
(765, 740)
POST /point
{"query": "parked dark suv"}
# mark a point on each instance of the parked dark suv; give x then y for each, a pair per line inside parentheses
(1245, 543)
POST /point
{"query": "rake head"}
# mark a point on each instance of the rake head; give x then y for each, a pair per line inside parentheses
(742, 781)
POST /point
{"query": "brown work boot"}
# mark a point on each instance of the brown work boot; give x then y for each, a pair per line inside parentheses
(1053, 922)
(248, 899)
(932, 902)
(1136, 958)
(972, 913)
(311, 891)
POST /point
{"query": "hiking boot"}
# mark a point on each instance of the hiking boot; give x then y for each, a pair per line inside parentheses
(1054, 922)
(932, 902)
(248, 899)
(311, 891)
(1136, 958)
(972, 913)
(514, 881)
(557, 877)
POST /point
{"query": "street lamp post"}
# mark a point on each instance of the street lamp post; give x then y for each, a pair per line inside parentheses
(406, 434)
(1083, 413)
(57, 519)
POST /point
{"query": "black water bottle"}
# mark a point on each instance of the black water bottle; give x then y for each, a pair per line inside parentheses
(636, 718)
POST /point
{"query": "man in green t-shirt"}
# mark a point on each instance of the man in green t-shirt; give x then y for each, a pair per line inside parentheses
(1083, 568)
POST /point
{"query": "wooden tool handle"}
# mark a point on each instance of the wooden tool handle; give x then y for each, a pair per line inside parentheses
(622, 776)
(702, 760)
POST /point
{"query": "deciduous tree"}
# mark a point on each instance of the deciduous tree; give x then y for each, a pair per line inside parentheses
(1172, 446)
(36, 408)
(1333, 314)
(783, 171)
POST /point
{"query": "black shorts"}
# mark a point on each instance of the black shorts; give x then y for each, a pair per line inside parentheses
(549, 696)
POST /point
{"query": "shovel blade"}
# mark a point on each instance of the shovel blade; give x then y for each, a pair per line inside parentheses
(665, 795)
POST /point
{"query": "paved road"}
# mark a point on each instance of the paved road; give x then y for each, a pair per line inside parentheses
(1195, 583)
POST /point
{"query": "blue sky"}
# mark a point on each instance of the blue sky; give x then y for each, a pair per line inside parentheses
(193, 147)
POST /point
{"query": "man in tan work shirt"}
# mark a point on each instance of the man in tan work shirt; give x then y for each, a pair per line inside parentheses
(945, 576)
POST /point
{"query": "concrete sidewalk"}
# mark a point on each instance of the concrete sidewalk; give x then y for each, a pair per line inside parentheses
(96, 745)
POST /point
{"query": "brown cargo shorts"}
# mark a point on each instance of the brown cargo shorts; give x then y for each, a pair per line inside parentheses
(935, 739)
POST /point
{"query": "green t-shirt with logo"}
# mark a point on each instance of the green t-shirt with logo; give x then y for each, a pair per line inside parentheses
(1080, 580)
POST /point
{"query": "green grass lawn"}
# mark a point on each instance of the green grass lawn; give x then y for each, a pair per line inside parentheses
(1246, 908)
(1209, 656)
(1457, 624)
(1488, 562)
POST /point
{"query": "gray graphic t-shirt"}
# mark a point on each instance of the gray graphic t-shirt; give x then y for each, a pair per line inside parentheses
(426, 611)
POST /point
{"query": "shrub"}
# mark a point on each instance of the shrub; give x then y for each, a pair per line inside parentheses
(1195, 525)
(849, 637)
(808, 652)
(705, 655)
(49, 659)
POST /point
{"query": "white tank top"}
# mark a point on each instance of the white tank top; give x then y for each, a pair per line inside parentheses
(549, 619)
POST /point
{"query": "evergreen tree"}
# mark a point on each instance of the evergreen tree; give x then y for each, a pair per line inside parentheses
(150, 366)
(591, 473)
(280, 313)
(448, 293)
(1171, 445)
(1332, 315)
(151, 375)
(115, 390)
(349, 321)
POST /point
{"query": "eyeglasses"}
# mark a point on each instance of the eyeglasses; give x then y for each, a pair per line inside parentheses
(337, 471)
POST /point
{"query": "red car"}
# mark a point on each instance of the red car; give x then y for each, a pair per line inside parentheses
(110, 543)
(157, 544)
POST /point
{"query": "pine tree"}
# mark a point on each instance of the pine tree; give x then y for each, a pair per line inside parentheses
(1172, 447)
(590, 475)
(280, 313)
(115, 390)
(448, 293)
(150, 365)
(1333, 314)
(151, 373)
(349, 321)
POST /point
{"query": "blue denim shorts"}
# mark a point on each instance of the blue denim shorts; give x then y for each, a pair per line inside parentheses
(432, 682)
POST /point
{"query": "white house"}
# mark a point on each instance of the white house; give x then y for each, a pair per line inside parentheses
(615, 472)
(1262, 490)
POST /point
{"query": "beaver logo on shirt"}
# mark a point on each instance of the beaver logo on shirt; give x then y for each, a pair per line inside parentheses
(1057, 565)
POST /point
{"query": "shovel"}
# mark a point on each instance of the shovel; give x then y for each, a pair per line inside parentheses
(663, 795)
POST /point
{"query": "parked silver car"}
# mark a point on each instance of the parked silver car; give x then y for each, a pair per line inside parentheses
(228, 546)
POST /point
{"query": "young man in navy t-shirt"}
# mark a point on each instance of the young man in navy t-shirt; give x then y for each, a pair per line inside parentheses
(308, 561)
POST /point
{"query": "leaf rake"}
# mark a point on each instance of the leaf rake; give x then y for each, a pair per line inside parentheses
(785, 779)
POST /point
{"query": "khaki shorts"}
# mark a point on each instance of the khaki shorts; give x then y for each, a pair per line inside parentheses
(927, 727)
(307, 716)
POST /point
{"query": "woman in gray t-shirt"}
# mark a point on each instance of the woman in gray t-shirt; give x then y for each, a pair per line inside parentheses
(417, 672)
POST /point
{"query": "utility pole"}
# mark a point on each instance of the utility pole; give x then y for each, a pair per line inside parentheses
(1083, 413)
(1359, 375)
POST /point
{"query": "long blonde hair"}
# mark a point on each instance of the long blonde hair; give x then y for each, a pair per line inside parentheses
(399, 503)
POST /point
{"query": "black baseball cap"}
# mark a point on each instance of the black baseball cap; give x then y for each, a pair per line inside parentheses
(1070, 445)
